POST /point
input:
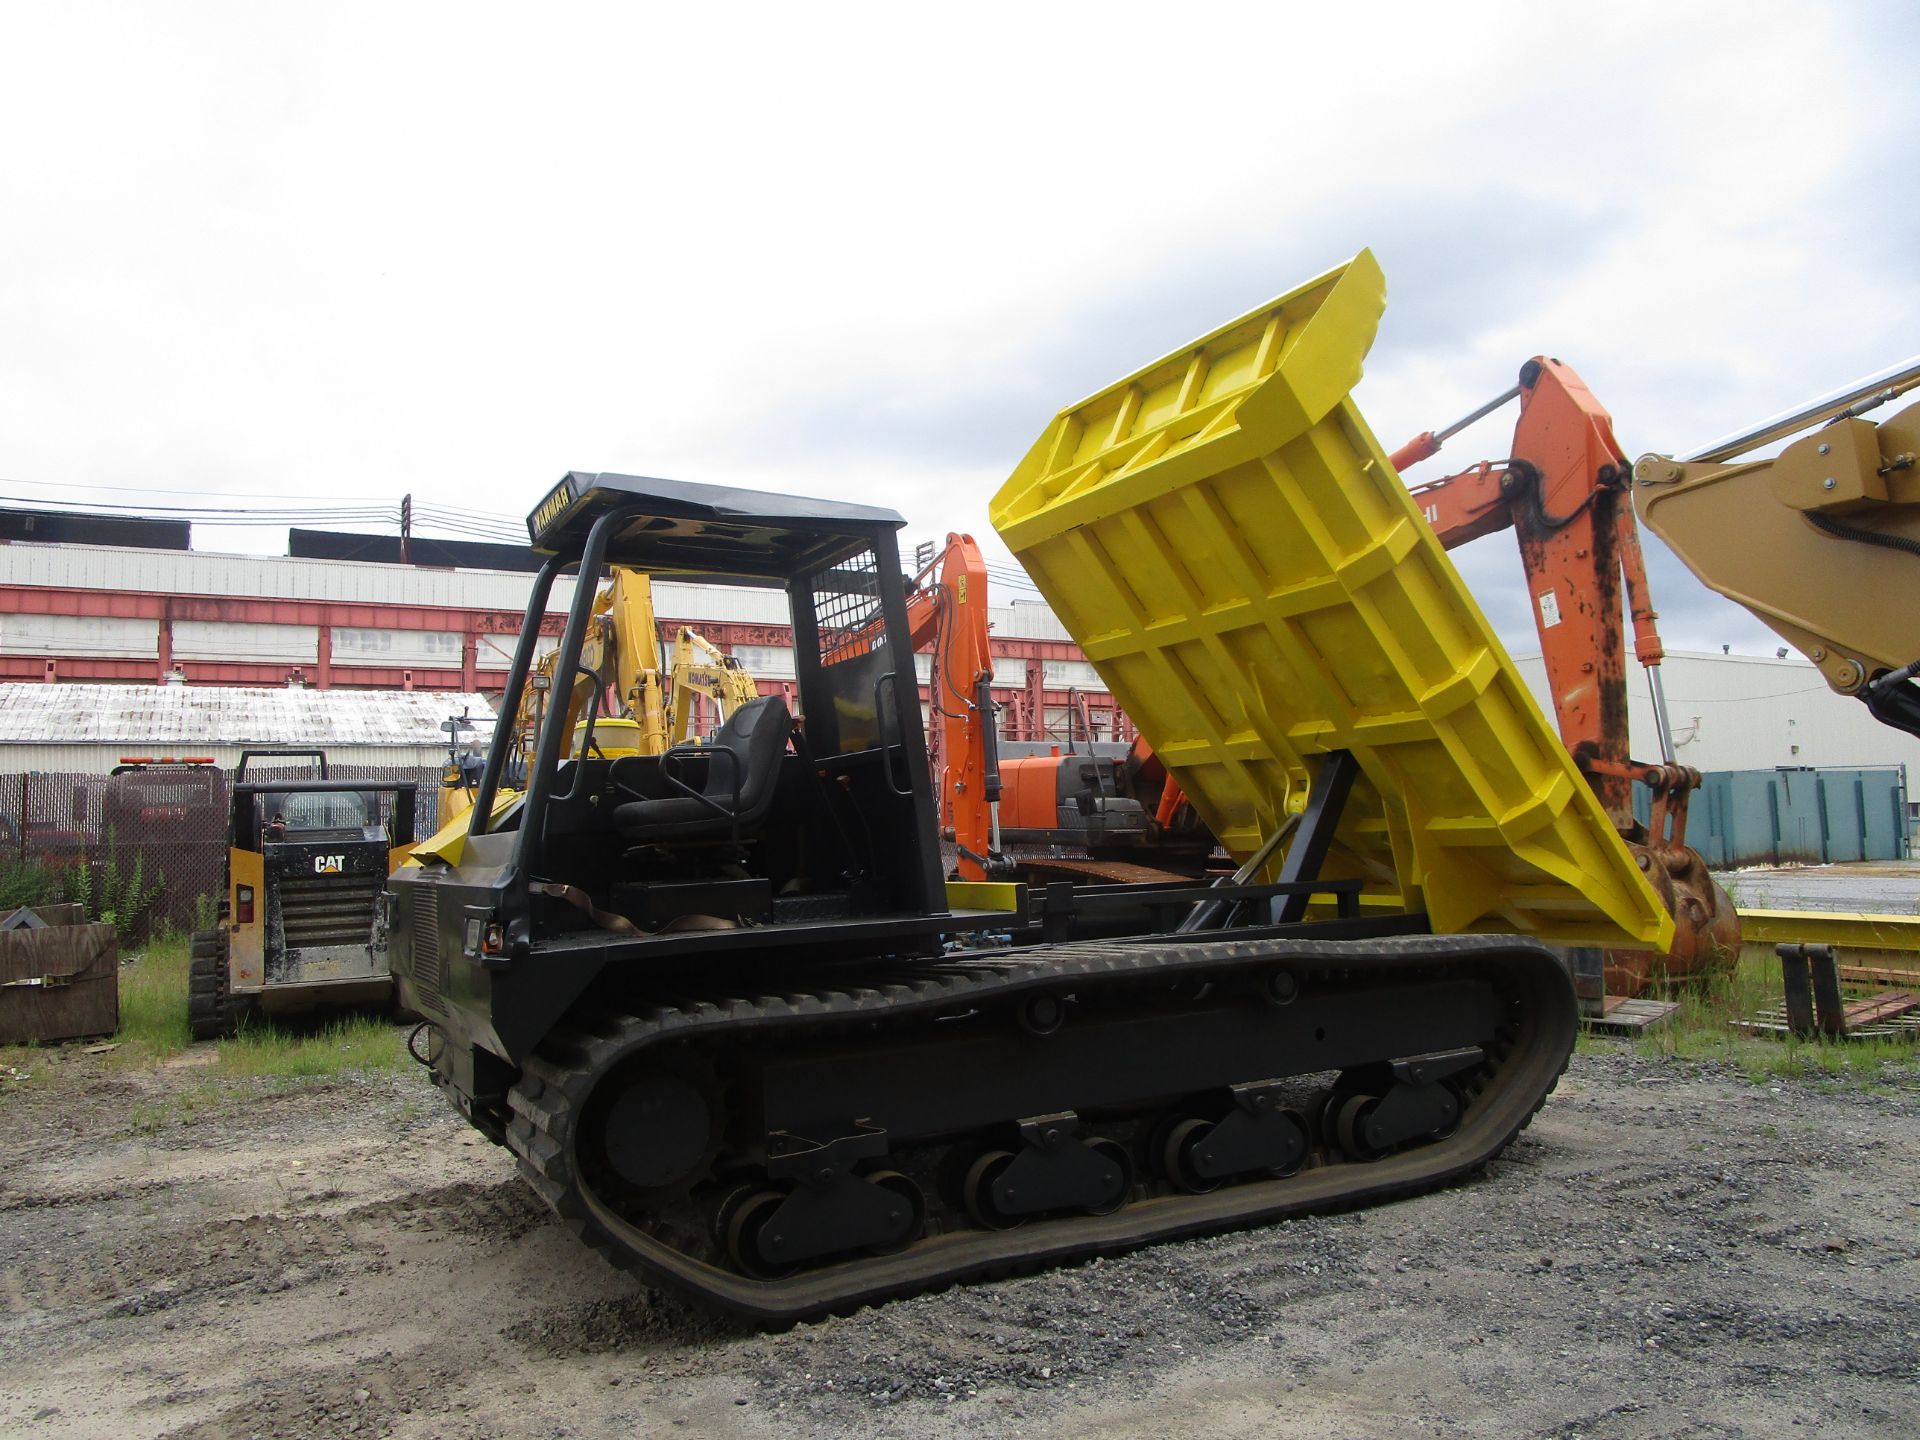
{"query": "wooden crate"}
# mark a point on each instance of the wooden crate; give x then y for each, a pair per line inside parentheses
(61, 982)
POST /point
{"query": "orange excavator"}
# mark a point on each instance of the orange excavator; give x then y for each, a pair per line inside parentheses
(1080, 817)
(1565, 492)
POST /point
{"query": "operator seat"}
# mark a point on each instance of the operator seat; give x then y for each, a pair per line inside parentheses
(743, 764)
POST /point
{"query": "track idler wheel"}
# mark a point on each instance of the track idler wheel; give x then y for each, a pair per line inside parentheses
(978, 1190)
(660, 1129)
(1406, 1102)
(904, 1231)
(1252, 1134)
(1054, 1170)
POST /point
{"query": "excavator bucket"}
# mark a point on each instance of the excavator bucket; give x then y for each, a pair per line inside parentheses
(1229, 544)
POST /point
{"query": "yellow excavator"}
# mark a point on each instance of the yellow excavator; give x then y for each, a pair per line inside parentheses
(640, 710)
(1819, 541)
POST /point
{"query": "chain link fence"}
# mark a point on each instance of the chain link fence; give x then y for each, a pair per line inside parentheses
(150, 846)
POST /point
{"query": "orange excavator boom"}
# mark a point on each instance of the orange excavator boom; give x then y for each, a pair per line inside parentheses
(947, 607)
(1564, 491)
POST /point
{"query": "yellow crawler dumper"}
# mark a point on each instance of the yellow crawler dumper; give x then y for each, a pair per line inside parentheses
(740, 1035)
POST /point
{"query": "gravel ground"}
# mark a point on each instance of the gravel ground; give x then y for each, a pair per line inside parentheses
(1669, 1250)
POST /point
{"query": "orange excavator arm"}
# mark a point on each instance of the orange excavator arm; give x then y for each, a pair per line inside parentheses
(1564, 491)
(947, 608)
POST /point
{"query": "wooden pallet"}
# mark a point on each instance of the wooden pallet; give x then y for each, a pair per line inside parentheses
(1631, 1017)
(1906, 976)
(1883, 1016)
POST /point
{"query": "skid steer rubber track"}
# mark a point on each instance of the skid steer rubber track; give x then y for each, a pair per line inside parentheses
(1119, 1037)
(210, 1009)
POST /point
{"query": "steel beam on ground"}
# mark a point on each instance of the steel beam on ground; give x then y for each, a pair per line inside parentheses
(1854, 931)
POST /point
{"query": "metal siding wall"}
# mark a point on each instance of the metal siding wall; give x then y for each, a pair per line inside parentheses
(79, 635)
(398, 648)
(1737, 712)
(89, 567)
(241, 640)
(740, 604)
(1074, 674)
(1751, 833)
(766, 662)
(1843, 825)
(1883, 814)
(1027, 622)
(1771, 817)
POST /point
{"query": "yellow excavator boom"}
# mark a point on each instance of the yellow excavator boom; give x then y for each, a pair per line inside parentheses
(1821, 542)
(623, 648)
(700, 668)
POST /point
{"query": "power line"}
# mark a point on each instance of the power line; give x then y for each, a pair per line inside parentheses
(162, 490)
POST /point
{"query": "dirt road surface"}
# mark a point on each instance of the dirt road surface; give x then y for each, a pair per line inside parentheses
(1670, 1250)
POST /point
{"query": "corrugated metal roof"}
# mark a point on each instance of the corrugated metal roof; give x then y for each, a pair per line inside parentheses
(206, 714)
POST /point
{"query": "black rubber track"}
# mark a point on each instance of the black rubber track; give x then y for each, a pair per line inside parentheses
(555, 1084)
(210, 1012)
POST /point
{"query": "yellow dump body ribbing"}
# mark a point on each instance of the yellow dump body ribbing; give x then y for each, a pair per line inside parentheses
(1230, 546)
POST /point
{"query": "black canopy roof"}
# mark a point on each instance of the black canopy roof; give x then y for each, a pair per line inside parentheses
(712, 530)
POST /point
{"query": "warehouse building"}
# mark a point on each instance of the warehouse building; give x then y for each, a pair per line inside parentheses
(1748, 712)
(141, 615)
(118, 614)
(88, 729)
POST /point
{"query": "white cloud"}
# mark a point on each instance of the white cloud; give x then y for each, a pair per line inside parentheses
(866, 251)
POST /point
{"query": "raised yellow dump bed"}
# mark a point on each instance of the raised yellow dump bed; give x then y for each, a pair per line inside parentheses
(1227, 541)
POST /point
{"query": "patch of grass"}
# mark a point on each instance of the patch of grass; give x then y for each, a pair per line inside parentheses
(153, 1003)
(153, 1026)
(1701, 1030)
(349, 1043)
(179, 1107)
(153, 1029)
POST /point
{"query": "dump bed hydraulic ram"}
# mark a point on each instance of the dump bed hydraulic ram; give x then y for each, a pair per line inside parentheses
(791, 1155)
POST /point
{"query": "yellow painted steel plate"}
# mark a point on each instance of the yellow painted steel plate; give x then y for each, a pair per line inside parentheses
(1229, 544)
(1852, 929)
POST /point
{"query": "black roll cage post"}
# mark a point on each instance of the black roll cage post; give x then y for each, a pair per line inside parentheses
(546, 758)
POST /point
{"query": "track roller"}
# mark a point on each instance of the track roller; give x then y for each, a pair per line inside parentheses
(1054, 1170)
(1404, 1102)
(829, 1209)
(1250, 1133)
(743, 1227)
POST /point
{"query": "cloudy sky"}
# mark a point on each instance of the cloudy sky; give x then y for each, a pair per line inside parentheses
(277, 251)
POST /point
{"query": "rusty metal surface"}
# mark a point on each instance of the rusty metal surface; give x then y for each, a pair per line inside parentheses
(1706, 927)
(1039, 869)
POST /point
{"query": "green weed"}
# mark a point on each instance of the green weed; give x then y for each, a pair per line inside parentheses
(1701, 1030)
(27, 882)
(153, 1003)
(359, 1043)
(121, 899)
(180, 1107)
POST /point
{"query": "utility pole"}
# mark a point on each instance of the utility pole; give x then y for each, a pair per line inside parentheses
(406, 529)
